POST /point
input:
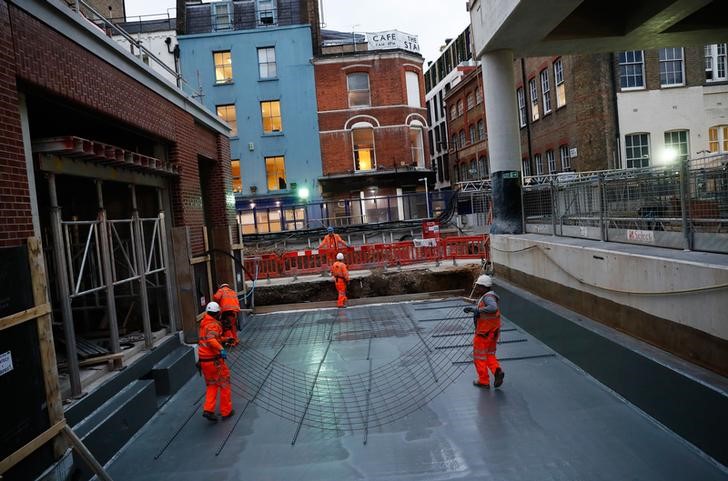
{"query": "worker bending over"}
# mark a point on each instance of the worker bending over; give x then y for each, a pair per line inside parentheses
(212, 364)
(487, 319)
(340, 273)
(332, 240)
(230, 309)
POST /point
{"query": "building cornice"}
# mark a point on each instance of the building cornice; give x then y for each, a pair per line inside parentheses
(368, 55)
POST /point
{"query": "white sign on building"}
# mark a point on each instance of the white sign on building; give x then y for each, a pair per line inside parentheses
(393, 39)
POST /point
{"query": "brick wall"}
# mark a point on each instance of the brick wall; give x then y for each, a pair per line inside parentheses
(471, 151)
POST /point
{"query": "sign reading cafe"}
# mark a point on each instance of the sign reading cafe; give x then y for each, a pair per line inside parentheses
(393, 39)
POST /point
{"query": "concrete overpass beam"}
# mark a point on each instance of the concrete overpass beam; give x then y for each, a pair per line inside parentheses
(504, 141)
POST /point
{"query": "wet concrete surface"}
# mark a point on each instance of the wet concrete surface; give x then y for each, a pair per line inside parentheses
(549, 421)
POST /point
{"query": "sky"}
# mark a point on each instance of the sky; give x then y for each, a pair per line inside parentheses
(432, 20)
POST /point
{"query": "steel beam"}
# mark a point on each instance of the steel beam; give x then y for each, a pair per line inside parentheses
(141, 267)
(108, 279)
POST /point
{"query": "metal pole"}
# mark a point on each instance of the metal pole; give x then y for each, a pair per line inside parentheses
(602, 209)
(685, 204)
(61, 269)
(142, 267)
(108, 278)
(165, 256)
(553, 208)
(86, 455)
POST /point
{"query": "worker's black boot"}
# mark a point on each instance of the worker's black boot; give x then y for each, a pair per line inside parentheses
(210, 416)
(480, 385)
(499, 375)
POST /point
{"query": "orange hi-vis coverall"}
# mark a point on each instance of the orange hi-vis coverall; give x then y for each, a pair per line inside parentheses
(230, 308)
(487, 331)
(214, 369)
(332, 241)
(340, 274)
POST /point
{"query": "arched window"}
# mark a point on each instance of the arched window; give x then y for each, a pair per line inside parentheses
(362, 140)
(417, 145)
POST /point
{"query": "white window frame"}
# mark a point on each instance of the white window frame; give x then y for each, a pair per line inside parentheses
(481, 129)
(721, 139)
(565, 157)
(349, 91)
(629, 145)
(538, 160)
(551, 161)
(473, 133)
(227, 23)
(667, 59)
(624, 65)
(672, 133)
(545, 91)
(223, 66)
(533, 92)
(526, 168)
(267, 63)
(560, 88)
(285, 177)
(260, 11)
(522, 110)
(418, 151)
(233, 124)
(412, 82)
(716, 58)
(470, 99)
(368, 126)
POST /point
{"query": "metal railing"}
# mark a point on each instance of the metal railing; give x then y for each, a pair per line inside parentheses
(683, 206)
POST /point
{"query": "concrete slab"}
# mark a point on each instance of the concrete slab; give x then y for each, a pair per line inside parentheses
(549, 421)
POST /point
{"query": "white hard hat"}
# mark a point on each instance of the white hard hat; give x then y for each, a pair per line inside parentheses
(484, 280)
(213, 307)
(339, 256)
(224, 284)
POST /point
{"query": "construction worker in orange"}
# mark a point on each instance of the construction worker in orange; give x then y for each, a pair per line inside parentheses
(230, 308)
(212, 356)
(332, 240)
(487, 320)
(340, 273)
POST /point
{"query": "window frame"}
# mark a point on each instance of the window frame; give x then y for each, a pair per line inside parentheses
(522, 109)
(721, 139)
(472, 132)
(533, 98)
(664, 62)
(565, 157)
(216, 16)
(645, 161)
(234, 123)
(538, 162)
(470, 101)
(481, 129)
(718, 60)
(559, 84)
(271, 117)
(355, 151)
(551, 161)
(267, 63)
(223, 66)
(412, 84)
(415, 148)
(686, 155)
(351, 91)
(545, 91)
(623, 67)
(236, 179)
(259, 11)
(525, 168)
(267, 174)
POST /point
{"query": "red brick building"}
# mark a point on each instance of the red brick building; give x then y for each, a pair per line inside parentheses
(372, 122)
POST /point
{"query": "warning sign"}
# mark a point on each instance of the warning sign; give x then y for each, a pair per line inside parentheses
(6, 363)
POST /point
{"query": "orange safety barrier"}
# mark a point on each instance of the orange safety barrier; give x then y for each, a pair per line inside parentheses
(470, 247)
(305, 262)
(268, 265)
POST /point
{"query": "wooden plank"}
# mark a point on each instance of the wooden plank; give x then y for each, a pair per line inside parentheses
(86, 455)
(48, 360)
(31, 446)
(24, 316)
(101, 359)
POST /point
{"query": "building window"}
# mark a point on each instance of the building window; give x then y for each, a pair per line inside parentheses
(565, 157)
(715, 62)
(471, 101)
(538, 160)
(481, 130)
(460, 107)
(534, 99)
(521, 107)
(438, 140)
(638, 150)
(223, 67)
(483, 167)
(412, 81)
(473, 139)
(545, 91)
(718, 139)
(559, 81)
(363, 140)
(416, 144)
(275, 171)
(463, 172)
(270, 111)
(473, 170)
(227, 113)
(454, 141)
(551, 161)
(463, 142)
(221, 15)
(453, 112)
(631, 69)
(478, 95)
(266, 13)
(671, 67)
(678, 141)
(526, 168)
(358, 86)
(267, 67)
(237, 180)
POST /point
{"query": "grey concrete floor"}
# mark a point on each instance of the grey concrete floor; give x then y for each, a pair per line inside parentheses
(549, 421)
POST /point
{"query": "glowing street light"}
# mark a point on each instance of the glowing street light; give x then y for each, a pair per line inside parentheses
(303, 193)
(668, 155)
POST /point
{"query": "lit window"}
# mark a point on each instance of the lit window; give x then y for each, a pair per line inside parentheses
(559, 81)
(638, 150)
(481, 130)
(631, 69)
(221, 15)
(237, 180)
(671, 67)
(538, 160)
(275, 171)
(533, 89)
(565, 157)
(267, 67)
(526, 168)
(471, 101)
(678, 140)
(223, 67)
(551, 161)
(270, 111)
(266, 13)
(358, 87)
(412, 80)
(521, 107)
(715, 62)
(227, 113)
(416, 144)
(546, 91)
(363, 141)
(718, 138)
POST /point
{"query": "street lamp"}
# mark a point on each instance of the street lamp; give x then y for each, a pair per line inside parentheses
(427, 195)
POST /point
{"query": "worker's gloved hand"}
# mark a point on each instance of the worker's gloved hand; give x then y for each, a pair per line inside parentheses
(469, 310)
(223, 354)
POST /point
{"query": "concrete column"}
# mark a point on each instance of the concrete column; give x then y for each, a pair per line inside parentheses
(504, 141)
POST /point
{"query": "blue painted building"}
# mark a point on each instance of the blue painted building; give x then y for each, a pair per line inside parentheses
(251, 61)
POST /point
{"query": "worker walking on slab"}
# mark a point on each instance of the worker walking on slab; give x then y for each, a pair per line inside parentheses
(212, 364)
(332, 240)
(230, 310)
(340, 273)
(487, 319)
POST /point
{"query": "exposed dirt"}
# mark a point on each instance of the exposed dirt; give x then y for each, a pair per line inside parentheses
(379, 283)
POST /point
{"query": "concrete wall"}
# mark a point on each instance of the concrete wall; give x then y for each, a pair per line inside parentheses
(155, 42)
(632, 292)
